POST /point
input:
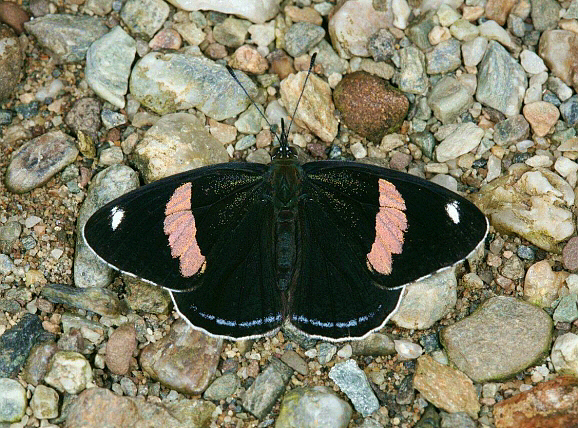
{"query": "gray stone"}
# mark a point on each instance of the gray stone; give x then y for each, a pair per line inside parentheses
(37, 160)
(222, 387)
(141, 296)
(427, 301)
(144, 17)
(448, 99)
(313, 406)
(511, 130)
(419, 29)
(459, 419)
(301, 37)
(267, 388)
(502, 81)
(567, 311)
(231, 32)
(12, 401)
(381, 45)
(116, 180)
(108, 64)
(569, 110)
(245, 142)
(94, 299)
(68, 37)
(487, 347)
(444, 57)
(353, 382)
(325, 352)
(328, 58)
(9, 234)
(473, 51)
(175, 143)
(425, 141)
(374, 345)
(412, 77)
(17, 342)
(545, 14)
(249, 121)
(167, 82)
(294, 360)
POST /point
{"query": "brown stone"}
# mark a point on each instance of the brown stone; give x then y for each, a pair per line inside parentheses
(119, 348)
(445, 387)
(570, 254)
(185, 359)
(369, 105)
(551, 404)
(559, 50)
(305, 14)
(167, 38)
(281, 63)
(498, 10)
(10, 61)
(248, 59)
(541, 116)
(13, 15)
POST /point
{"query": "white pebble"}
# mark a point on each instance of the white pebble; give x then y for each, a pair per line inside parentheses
(524, 145)
(401, 12)
(358, 150)
(345, 352)
(32, 221)
(56, 253)
(494, 168)
(565, 166)
(407, 350)
(539, 161)
(531, 62)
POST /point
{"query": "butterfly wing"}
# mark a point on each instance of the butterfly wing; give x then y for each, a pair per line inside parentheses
(206, 236)
(368, 231)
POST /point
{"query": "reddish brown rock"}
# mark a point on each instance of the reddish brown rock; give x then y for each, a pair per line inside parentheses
(10, 61)
(167, 38)
(185, 359)
(369, 105)
(570, 254)
(119, 349)
(13, 15)
(281, 63)
(551, 404)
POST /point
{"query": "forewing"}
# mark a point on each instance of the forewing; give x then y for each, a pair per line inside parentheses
(204, 234)
(368, 231)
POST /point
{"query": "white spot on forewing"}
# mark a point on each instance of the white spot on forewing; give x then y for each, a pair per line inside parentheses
(452, 210)
(117, 215)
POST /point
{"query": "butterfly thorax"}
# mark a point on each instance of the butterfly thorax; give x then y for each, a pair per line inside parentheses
(285, 179)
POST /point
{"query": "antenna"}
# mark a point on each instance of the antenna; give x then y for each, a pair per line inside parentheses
(284, 134)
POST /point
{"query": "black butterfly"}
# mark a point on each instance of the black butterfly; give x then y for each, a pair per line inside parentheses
(328, 246)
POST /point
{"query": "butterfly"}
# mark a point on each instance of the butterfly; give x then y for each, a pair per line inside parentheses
(328, 246)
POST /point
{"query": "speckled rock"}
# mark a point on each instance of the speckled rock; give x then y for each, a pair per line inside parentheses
(353, 382)
(184, 360)
(37, 362)
(534, 204)
(144, 17)
(38, 160)
(375, 345)
(89, 270)
(17, 342)
(69, 372)
(313, 406)
(427, 301)
(68, 37)
(175, 143)
(141, 296)
(369, 105)
(167, 82)
(511, 130)
(222, 387)
(445, 387)
(301, 37)
(553, 403)
(412, 77)
(248, 59)
(502, 81)
(542, 116)
(484, 346)
(11, 61)
(84, 116)
(108, 65)
(316, 108)
(570, 254)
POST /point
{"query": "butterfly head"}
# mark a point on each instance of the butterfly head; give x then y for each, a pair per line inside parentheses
(284, 151)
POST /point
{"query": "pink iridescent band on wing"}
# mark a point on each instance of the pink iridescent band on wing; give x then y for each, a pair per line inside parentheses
(390, 224)
(180, 227)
